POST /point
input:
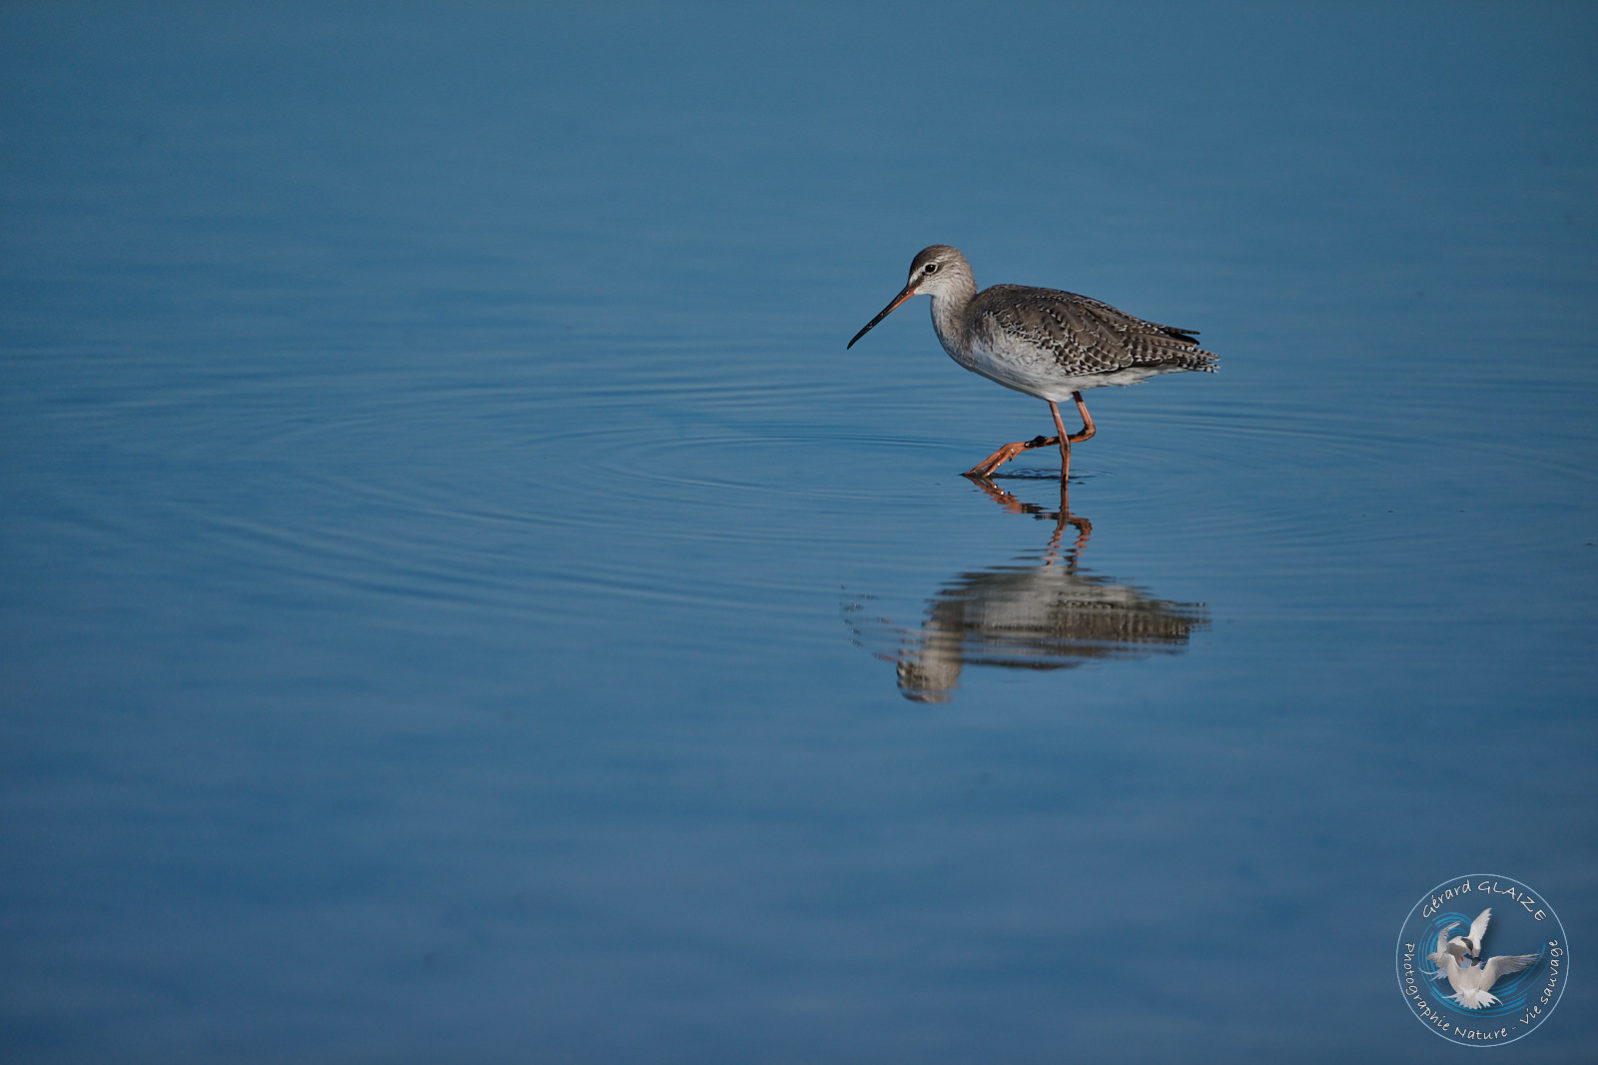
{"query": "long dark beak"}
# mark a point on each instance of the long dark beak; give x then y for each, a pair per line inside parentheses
(900, 298)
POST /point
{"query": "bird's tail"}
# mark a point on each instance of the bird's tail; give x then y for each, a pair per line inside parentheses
(1474, 999)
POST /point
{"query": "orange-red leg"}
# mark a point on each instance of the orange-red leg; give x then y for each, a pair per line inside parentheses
(1065, 440)
(1003, 455)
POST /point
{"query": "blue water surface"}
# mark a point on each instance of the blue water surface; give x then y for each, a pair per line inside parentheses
(459, 601)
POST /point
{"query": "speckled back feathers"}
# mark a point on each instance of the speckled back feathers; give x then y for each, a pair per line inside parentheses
(1085, 335)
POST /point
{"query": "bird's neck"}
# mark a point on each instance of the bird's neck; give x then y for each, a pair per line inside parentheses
(949, 309)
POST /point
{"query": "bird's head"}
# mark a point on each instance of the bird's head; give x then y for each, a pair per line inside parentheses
(937, 271)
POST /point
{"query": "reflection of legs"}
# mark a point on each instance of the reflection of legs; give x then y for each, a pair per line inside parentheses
(1062, 518)
(1010, 451)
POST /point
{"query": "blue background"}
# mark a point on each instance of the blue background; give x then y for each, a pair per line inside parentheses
(447, 557)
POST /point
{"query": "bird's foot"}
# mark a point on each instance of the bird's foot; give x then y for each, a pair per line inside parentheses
(1008, 452)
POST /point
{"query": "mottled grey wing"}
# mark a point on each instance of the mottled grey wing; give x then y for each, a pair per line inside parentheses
(1088, 336)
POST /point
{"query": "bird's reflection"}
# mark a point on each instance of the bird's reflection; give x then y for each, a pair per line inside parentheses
(1046, 613)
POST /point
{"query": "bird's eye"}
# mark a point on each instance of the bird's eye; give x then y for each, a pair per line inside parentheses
(930, 268)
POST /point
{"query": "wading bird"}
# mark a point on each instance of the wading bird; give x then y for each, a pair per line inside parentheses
(1050, 344)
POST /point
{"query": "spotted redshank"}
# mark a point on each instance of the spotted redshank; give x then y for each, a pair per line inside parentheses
(1041, 341)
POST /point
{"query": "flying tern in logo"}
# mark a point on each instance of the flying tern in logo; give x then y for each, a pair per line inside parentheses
(1471, 944)
(1472, 984)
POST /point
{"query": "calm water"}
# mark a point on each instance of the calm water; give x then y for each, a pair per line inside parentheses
(461, 602)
